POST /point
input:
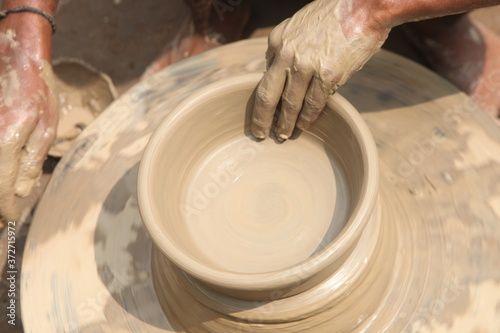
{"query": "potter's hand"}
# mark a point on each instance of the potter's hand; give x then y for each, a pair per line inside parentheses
(309, 56)
(28, 115)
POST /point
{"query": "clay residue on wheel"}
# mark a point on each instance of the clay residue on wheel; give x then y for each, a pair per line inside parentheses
(82, 94)
(437, 213)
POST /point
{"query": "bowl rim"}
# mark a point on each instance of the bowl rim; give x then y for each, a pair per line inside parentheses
(300, 272)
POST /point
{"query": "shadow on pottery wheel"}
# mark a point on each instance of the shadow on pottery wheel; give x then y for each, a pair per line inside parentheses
(235, 220)
(82, 93)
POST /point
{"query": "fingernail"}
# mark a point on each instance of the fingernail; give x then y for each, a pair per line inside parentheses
(300, 125)
(259, 134)
(283, 137)
(24, 187)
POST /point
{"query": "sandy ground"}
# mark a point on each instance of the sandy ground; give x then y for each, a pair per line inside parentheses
(120, 38)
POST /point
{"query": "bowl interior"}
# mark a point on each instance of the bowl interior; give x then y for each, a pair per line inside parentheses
(214, 198)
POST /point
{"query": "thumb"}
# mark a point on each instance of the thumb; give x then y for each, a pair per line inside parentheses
(32, 157)
(9, 157)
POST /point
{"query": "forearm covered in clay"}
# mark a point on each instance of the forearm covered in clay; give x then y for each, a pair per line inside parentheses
(309, 56)
(33, 31)
(317, 50)
(396, 12)
(28, 116)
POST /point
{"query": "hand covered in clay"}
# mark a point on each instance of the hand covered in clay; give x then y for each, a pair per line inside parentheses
(309, 56)
(28, 119)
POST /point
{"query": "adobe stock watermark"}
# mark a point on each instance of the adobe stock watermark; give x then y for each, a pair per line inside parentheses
(416, 158)
(220, 178)
(90, 310)
(223, 6)
(453, 118)
(427, 147)
(450, 292)
(262, 309)
(11, 271)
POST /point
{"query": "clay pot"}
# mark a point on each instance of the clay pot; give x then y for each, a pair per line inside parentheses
(82, 93)
(254, 219)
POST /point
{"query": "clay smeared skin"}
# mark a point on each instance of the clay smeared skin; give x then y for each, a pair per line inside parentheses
(318, 49)
(309, 56)
(27, 108)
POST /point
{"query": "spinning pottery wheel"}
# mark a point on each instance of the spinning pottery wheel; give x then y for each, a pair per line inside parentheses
(435, 263)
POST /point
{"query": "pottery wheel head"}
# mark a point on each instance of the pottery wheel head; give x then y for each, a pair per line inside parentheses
(227, 208)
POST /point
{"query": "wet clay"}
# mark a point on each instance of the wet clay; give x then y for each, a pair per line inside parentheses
(428, 261)
(305, 69)
(265, 225)
(82, 94)
(262, 215)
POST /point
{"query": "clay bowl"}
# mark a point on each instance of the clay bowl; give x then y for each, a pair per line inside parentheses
(248, 217)
(82, 93)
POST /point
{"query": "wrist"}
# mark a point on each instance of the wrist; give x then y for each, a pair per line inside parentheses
(32, 32)
(393, 13)
(29, 35)
(48, 6)
(396, 12)
(365, 17)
